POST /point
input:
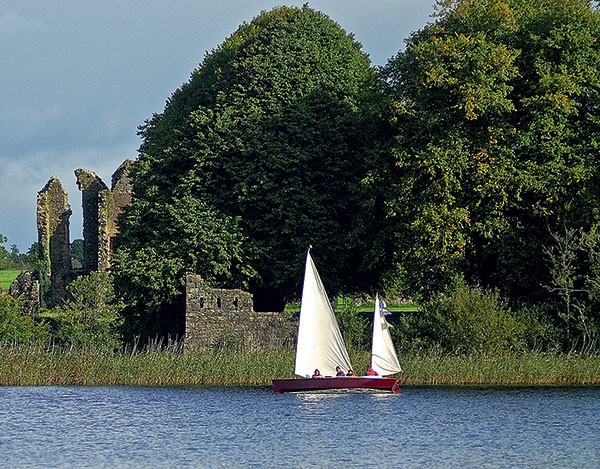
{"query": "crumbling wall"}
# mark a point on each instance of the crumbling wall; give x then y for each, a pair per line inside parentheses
(219, 318)
(90, 186)
(110, 205)
(53, 213)
(101, 208)
(26, 287)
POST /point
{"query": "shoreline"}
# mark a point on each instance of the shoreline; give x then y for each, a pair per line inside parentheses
(34, 365)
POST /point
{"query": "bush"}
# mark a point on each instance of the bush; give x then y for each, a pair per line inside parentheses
(541, 334)
(355, 328)
(16, 326)
(471, 320)
(91, 315)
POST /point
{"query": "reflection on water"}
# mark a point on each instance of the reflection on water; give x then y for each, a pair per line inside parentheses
(220, 427)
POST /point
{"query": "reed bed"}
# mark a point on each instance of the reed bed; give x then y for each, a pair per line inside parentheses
(34, 365)
(503, 370)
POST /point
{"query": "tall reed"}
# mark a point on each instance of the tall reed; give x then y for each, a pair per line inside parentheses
(503, 370)
(36, 365)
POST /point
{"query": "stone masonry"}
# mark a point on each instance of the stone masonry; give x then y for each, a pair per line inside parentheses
(101, 208)
(90, 186)
(110, 205)
(53, 213)
(218, 318)
(214, 318)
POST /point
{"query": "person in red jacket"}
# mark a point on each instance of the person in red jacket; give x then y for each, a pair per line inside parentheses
(371, 372)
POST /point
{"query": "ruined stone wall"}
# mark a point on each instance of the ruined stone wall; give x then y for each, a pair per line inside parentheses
(110, 205)
(101, 208)
(214, 318)
(26, 287)
(90, 186)
(219, 318)
(53, 213)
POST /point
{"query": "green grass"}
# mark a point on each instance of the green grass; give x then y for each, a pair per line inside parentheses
(367, 307)
(7, 277)
(35, 365)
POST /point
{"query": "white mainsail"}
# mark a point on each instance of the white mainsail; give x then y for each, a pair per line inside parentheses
(383, 354)
(320, 342)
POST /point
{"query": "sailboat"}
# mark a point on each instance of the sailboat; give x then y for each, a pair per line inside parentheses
(320, 346)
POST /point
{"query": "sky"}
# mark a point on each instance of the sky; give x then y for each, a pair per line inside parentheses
(77, 78)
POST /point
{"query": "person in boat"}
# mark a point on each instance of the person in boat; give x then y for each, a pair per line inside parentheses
(383, 306)
(339, 372)
(350, 373)
(317, 374)
(371, 372)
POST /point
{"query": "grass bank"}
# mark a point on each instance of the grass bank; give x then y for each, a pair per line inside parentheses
(40, 366)
(7, 277)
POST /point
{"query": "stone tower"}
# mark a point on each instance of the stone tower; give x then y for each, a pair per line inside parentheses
(90, 186)
(101, 208)
(53, 213)
(110, 204)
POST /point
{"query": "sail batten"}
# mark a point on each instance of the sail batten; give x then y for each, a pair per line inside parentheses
(384, 359)
(320, 342)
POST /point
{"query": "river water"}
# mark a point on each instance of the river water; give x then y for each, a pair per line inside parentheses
(252, 427)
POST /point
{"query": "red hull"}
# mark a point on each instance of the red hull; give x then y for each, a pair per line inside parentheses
(323, 384)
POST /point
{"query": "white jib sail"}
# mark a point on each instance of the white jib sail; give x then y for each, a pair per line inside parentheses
(383, 354)
(320, 342)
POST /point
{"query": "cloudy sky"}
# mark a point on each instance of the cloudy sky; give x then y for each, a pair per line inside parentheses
(79, 76)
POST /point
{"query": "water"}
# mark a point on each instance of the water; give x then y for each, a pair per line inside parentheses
(224, 427)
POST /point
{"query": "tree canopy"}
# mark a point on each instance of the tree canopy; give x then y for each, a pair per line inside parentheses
(255, 158)
(496, 120)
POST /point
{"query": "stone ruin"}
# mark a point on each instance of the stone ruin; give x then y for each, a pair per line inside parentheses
(26, 287)
(214, 318)
(217, 319)
(53, 213)
(101, 207)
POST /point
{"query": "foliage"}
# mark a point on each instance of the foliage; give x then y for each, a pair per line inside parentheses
(575, 281)
(267, 139)
(464, 321)
(91, 315)
(77, 253)
(477, 320)
(17, 327)
(355, 328)
(496, 116)
(150, 269)
(13, 259)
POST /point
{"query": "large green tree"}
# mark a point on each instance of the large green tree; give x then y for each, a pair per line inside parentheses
(259, 155)
(497, 132)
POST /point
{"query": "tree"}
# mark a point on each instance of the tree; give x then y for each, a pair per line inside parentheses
(496, 116)
(90, 316)
(151, 264)
(270, 135)
(4, 255)
(575, 283)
